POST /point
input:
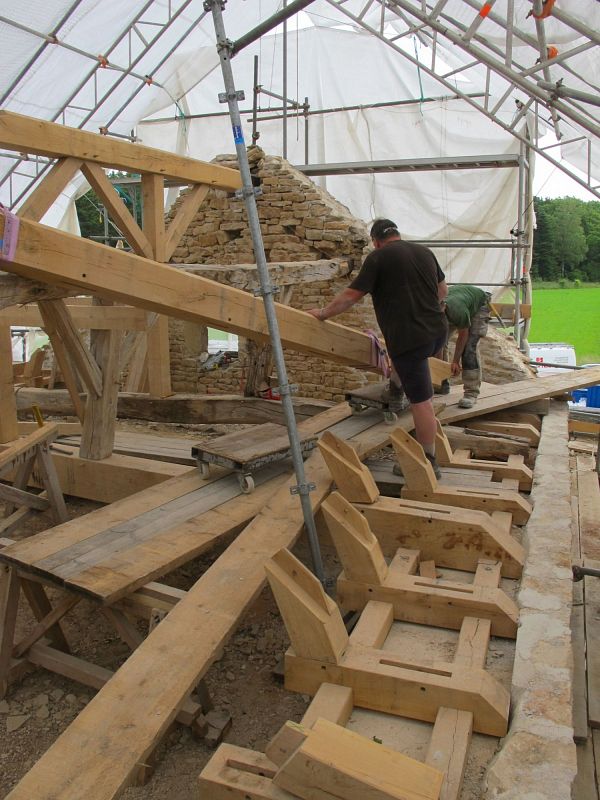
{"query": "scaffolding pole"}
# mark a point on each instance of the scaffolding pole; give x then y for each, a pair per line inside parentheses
(303, 489)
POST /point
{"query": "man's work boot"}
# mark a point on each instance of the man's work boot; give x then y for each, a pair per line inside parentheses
(436, 469)
(471, 383)
(444, 387)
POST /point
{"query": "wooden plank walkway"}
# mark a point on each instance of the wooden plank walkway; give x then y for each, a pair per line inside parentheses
(497, 397)
(114, 550)
(96, 755)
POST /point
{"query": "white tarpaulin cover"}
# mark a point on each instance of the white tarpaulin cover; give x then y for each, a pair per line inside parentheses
(152, 66)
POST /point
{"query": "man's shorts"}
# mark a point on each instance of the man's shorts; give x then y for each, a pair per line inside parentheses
(413, 370)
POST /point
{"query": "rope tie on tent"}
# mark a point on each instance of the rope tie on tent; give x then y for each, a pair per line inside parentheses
(379, 356)
(8, 243)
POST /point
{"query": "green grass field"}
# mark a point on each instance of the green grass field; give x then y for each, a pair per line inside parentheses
(571, 316)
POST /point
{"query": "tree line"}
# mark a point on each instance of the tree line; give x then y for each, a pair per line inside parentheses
(566, 241)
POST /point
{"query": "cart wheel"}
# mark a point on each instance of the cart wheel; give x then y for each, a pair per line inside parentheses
(204, 469)
(246, 483)
(390, 417)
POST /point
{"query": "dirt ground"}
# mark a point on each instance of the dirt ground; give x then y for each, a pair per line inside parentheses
(244, 683)
(241, 683)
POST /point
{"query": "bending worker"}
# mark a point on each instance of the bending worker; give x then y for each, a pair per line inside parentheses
(467, 309)
(406, 285)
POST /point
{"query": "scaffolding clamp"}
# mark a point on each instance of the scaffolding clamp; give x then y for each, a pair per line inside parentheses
(247, 191)
(208, 4)
(258, 291)
(225, 97)
(303, 488)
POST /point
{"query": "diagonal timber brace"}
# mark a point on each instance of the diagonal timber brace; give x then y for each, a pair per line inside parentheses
(44, 254)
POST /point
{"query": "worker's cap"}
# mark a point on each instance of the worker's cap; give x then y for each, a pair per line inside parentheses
(382, 228)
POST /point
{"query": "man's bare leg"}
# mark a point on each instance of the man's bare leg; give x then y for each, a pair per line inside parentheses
(425, 425)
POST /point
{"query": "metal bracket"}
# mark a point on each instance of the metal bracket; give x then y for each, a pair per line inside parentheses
(208, 4)
(247, 191)
(303, 488)
(260, 292)
(224, 97)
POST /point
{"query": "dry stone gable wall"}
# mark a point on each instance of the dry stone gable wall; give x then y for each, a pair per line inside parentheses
(300, 222)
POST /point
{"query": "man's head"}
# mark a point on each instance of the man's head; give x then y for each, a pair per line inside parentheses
(383, 231)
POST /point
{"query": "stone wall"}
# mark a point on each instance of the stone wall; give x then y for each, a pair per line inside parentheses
(300, 222)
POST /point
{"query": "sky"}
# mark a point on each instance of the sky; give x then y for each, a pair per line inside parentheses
(551, 182)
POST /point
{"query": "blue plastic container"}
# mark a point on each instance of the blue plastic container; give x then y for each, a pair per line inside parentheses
(579, 394)
(593, 397)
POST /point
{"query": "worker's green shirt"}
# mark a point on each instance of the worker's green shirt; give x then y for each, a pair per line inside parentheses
(462, 302)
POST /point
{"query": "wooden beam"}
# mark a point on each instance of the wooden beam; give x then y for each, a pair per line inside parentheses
(158, 357)
(351, 476)
(76, 669)
(62, 357)
(43, 196)
(9, 604)
(122, 318)
(8, 407)
(99, 751)
(333, 761)
(29, 135)
(186, 211)
(53, 256)
(111, 479)
(57, 315)
(452, 537)
(117, 209)
(380, 679)
(413, 598)
(98, 435)
(188, 409)
(15, 291)
(421, 484)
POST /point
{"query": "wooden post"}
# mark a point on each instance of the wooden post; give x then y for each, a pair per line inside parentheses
(8, 405)
(159, 362)
(98, 434)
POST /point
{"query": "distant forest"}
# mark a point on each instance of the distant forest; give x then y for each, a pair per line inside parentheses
(566, 242)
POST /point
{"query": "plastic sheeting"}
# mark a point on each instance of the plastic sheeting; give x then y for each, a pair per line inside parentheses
(332, 62)
(440, 204)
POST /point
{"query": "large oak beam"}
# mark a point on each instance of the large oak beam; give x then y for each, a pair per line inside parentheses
(44, 254)
(15, 291)
(120, 318)
(29, 135)
(189, 409)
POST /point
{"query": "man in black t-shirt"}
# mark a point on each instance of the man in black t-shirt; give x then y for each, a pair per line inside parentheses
(406, 284)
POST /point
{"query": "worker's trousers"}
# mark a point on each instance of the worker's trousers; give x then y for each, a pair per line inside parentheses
(471, 368)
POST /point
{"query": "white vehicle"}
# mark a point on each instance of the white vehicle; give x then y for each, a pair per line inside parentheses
(555, 354)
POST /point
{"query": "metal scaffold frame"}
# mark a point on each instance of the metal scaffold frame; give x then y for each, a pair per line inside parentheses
(546, 98)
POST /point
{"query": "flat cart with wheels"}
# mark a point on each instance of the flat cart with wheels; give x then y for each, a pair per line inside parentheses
(248, 450)
(371, 397)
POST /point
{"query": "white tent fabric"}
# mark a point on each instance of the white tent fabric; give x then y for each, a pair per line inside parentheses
(90, 72)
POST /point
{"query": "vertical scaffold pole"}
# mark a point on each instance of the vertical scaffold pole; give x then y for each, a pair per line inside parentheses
(303, 489)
